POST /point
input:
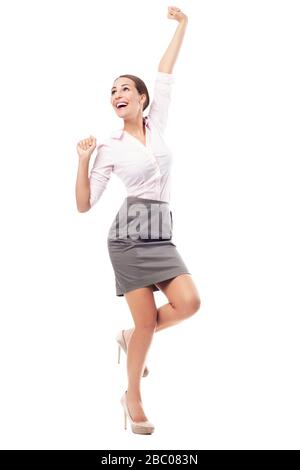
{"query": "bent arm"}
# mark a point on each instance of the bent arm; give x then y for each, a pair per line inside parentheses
(169, 58)
(100, 173)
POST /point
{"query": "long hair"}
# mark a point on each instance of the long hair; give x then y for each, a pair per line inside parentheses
(140, 86)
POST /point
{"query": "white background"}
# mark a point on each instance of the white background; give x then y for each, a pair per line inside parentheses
(227, 378)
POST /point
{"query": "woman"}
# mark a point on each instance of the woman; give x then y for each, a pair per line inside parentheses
(142, 264)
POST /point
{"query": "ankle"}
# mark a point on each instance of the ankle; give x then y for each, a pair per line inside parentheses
(134, 396)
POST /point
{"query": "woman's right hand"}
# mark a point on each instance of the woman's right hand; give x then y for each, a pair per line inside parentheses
(85, 147)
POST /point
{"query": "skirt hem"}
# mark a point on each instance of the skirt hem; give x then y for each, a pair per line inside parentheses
(147, 282)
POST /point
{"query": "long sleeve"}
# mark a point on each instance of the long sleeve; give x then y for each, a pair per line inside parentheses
(100, 173)
(158, 111)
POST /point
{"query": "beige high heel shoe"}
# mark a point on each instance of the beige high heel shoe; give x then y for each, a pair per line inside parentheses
(122, 344)
(138, 427)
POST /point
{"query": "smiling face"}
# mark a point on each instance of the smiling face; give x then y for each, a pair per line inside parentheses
(124, 91)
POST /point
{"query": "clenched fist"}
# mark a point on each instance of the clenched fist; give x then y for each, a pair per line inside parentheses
(86, 147)
(175, 13)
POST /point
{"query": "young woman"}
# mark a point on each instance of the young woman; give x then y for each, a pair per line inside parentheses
(142, 264)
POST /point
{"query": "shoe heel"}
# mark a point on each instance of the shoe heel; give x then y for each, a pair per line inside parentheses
(125, 420)
(144, 427)
(119, 353)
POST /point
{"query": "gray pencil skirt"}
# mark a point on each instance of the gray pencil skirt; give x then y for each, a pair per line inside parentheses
(140, 245)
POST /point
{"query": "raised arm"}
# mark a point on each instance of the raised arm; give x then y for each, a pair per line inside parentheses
(159, 108)
(170, 56)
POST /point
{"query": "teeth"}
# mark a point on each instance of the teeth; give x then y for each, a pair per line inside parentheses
(119, 104)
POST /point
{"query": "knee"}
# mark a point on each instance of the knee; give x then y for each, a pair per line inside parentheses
(189, 305)
(193, 304)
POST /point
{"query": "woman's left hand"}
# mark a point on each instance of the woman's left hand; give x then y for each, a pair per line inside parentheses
(175, 13)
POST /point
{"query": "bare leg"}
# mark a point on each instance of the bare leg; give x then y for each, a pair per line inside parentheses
(144, 312)
(184, 301)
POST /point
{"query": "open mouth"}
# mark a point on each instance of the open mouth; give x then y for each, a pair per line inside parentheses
(121, 105)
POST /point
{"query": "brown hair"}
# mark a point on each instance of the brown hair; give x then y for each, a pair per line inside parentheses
(140, 86)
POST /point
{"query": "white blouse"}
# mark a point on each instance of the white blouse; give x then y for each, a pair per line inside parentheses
(144, 169)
